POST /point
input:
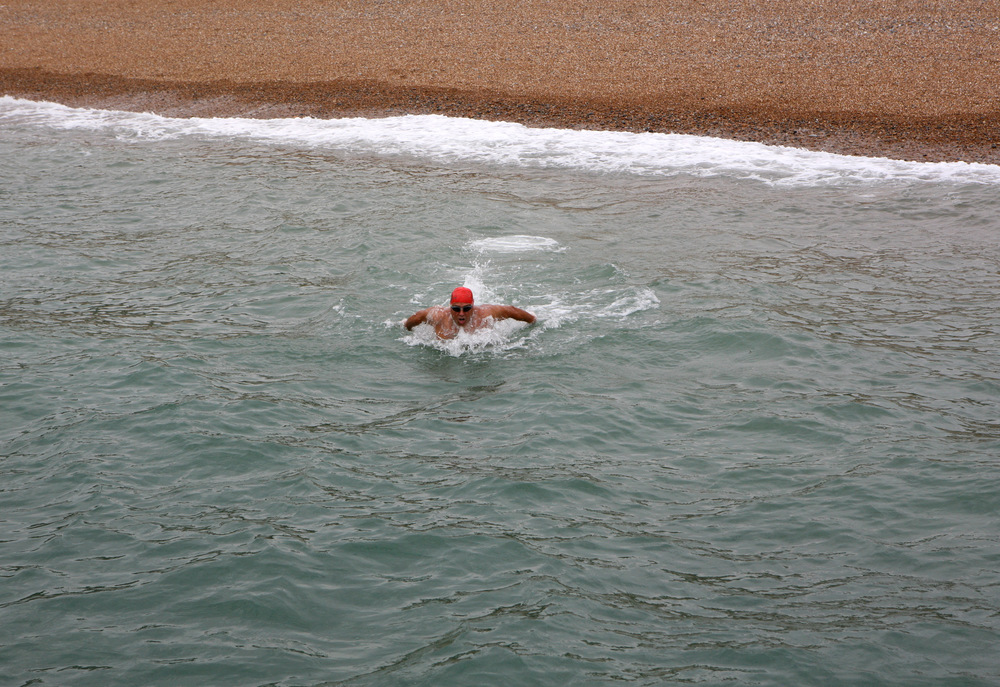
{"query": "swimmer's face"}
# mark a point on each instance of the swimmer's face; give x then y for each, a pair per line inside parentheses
(461, 313)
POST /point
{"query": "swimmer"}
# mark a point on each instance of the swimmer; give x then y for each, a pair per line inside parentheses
(464, 315)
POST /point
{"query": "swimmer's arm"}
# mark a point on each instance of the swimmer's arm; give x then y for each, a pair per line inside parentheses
(417, 318)
(504, 312)
(431, 316)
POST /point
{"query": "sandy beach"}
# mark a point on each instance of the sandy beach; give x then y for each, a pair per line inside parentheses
(909, 80)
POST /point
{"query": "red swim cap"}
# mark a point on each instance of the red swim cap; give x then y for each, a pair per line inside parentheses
(462, 295)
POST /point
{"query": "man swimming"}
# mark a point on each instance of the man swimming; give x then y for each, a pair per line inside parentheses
(464, 315)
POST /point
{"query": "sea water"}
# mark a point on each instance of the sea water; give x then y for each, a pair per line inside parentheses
(753, 437)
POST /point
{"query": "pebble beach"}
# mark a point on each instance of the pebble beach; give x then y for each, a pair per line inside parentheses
(907, 80)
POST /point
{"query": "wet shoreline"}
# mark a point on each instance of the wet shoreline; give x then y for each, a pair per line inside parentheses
(900, 82)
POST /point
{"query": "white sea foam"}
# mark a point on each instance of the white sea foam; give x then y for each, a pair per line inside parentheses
(630, 302)
(515, 244)
(504, 335)
(449, 140)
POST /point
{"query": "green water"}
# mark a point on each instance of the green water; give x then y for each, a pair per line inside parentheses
(753, 438)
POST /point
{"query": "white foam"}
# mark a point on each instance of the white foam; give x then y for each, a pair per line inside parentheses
(631, 302)
(503, 336)
(449, 140)
(515, 244)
